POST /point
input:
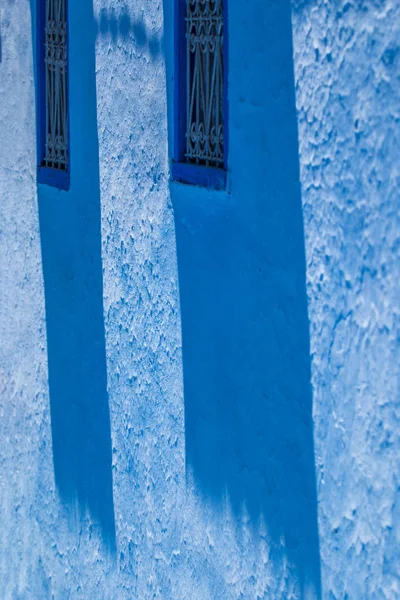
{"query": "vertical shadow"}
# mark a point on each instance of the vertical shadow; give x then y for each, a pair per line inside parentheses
(245, 327)
(72, 267)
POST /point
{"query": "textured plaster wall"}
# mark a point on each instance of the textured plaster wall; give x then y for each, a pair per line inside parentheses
(190, 379)
(348, 99)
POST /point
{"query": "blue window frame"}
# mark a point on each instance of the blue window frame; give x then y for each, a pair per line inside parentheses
(53, 110)
(201, 111)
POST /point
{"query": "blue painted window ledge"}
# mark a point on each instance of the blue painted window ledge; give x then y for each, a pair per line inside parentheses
(54, 177)
(200, 175)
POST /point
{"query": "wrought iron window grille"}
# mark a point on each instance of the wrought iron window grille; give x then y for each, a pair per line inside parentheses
(56, 99)
(204, 83)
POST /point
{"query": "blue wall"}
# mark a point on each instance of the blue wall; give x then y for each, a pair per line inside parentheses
(348, 116)
(241, 266)
(198, 389)
(70, 237)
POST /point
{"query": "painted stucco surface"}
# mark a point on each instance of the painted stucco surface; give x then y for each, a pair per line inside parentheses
(348, 99)
(199, 390)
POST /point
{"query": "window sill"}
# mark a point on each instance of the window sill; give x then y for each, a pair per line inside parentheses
(208, 177)
(53, 177)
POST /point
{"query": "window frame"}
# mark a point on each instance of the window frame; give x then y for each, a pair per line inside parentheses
(47, 175)
(182, 171)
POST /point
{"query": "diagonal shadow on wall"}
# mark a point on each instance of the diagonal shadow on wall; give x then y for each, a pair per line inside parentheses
(245, 327)
(71, 255)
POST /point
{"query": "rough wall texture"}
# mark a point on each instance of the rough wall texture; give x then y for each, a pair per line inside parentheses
(348, 99)
(174, 405)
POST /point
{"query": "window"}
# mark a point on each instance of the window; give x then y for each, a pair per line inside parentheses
(200, 122)
(53, 94)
